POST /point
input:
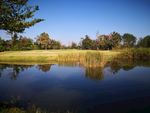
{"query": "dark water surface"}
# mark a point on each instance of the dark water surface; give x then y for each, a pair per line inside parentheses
(55, 88)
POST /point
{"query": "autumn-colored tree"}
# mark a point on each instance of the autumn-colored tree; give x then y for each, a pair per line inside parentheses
(104, 42)
(25, 43)
(43, 40)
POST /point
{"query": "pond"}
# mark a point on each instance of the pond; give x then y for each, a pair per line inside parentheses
(72, 88)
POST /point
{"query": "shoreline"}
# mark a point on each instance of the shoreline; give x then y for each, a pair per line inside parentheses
(84, 57)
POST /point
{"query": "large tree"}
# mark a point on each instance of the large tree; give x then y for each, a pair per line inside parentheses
(129, 40)
(145, 42)
(116, 39)
(16, 16)
(43, 40)
(87, 42)
(104, 42)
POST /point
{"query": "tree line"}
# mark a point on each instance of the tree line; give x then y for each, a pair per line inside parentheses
(43, 41)
(114, 41)
(102, 42)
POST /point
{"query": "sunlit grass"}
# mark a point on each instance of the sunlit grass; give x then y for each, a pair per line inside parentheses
(135, 54)
(85, 57)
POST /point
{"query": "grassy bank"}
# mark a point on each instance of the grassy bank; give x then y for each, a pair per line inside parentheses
(134, 54)
(83, 57)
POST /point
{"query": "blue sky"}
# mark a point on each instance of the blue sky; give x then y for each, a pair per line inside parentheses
(69, 20)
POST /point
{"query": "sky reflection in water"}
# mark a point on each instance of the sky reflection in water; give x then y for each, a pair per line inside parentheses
(60, 88)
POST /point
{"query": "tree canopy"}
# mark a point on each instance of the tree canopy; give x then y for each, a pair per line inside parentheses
(145, 42)
(87, 42)
(17, 15)
(102, 42)
(43, 40)
(129, 40)
(116, 39)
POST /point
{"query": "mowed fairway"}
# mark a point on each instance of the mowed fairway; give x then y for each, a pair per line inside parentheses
(49, 55)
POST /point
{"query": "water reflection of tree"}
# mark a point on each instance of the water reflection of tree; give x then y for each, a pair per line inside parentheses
(95, 73)
(68, 63)
(15, 72)
(117, 65)
(16, 69)
(45, 67)
(1, 69)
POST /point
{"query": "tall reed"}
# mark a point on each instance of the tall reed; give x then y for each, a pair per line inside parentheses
(83, 58)
(135, 54)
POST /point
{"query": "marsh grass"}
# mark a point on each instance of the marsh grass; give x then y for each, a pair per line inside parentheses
(83, 57)
(87, 58)
(135, 54)
(93, 59)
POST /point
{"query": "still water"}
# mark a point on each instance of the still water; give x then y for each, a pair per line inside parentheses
(76, 89)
